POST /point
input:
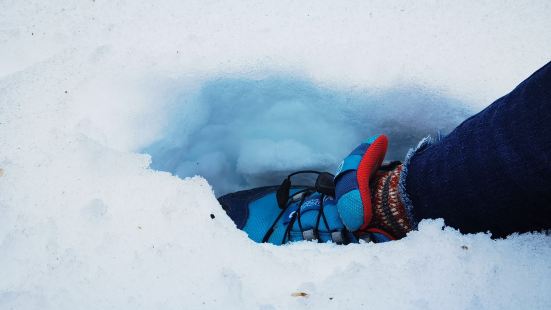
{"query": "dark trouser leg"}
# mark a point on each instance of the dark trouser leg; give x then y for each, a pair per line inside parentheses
(493, 172)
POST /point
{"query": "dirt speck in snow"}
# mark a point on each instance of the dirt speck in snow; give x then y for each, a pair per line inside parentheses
(299, 294)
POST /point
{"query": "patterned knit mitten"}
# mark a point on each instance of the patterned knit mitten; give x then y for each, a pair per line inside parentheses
(368, 196)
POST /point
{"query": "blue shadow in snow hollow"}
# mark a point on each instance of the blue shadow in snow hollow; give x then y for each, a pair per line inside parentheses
(240, 133)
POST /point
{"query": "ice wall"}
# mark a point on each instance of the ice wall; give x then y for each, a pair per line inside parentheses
(240, 133)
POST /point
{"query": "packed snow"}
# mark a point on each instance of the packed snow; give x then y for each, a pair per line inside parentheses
(248, 133)
(108, 110)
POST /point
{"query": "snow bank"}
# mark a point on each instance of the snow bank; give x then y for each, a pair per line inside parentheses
(85, 223)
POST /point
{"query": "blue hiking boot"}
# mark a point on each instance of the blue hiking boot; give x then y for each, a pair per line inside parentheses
(286, 213)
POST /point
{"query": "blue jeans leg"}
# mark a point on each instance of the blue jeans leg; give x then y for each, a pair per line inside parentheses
(493, 172)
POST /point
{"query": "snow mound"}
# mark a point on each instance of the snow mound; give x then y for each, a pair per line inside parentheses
(85, 88)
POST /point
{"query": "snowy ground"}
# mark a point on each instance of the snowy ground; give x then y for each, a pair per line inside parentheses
(88, 87)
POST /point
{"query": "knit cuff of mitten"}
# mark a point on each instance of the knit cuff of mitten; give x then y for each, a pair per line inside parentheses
(406, 201)
(390, 213)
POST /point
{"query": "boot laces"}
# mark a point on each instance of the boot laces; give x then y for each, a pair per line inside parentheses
(307, 234)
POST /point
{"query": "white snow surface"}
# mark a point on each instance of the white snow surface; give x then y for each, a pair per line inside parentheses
(87, 86)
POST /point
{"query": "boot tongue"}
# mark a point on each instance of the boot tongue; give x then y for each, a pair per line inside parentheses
(311, 203)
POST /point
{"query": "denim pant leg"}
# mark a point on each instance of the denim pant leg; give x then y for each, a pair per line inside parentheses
(493, 172)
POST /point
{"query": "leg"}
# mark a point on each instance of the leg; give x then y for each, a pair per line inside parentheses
(493, 172)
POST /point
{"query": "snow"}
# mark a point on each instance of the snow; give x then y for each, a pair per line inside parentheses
(87, 88)
(247, 133)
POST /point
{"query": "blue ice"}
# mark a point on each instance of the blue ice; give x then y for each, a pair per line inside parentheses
(240, 133)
